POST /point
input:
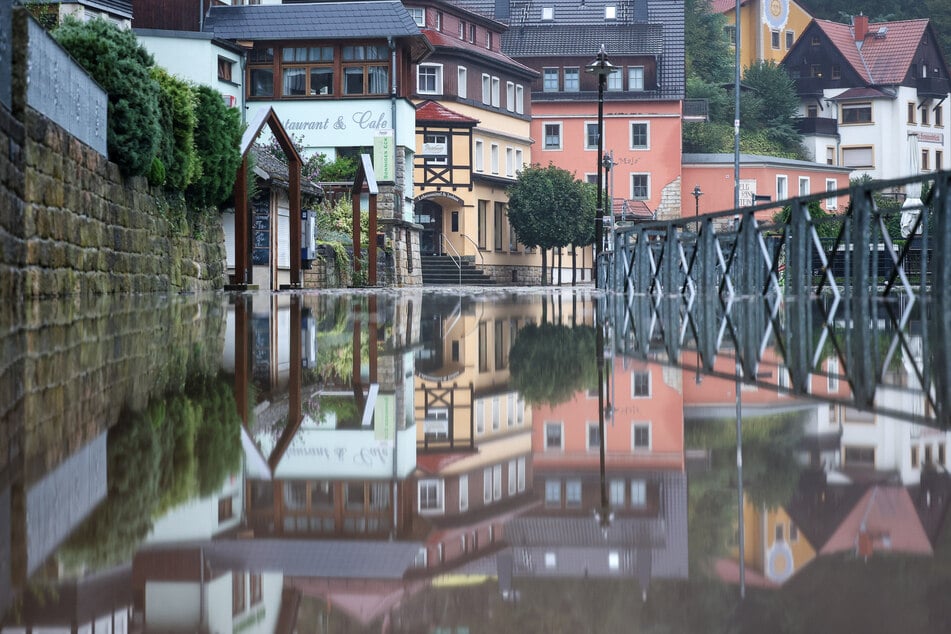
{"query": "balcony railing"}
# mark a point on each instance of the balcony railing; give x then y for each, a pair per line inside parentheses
(696, 110)
(935, 87)
(817, 125)
(810, 85)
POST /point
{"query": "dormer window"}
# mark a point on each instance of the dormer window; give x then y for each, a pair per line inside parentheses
(548, 13)
(418, 14)
(610, 12)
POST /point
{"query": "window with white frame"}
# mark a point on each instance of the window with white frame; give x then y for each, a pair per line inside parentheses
(804, 185)
(552, 136)
(550, 79)
(486, 89)
(519, 98)
(635, 78)
(462, 82)
(510, 96)
(519, 161)
(591, 135)
(509, 162)
(573, 493)
(431, 496)
(831, 201)
(496, 90)
(640, 384)
(497, 482)
(616, 490)
(638, 493)
(439, 20)
(832, 372)
(552, 492)
(640, 135)
(640, 186)
(429, 79)
(487, 485)
(418, 14)
(479, 151)
(553, 436)
(464, 492)
(488, 40)
(790, 38)
(610, 12)
(594, 436)
(615, 80)
(782, 187)
(572, 76)
(855, 113)
(520, 471)
(640, 436)
(496, 413)
(494, 158)
(439, 148)
(462, 30)
(548, 13)
(480, 416)
(512, 477)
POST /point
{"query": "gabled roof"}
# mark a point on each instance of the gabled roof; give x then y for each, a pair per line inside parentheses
(319, 20)
(522, 12)
(431, 111)
(122, 8)
(446, 41)
(722, 6)
(559, 40)
(885, 54)
(886, 517)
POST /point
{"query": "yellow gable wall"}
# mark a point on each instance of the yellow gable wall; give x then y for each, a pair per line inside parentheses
(755, 34)
(759, 525)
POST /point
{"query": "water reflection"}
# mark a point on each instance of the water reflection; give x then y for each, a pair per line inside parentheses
(409, 461)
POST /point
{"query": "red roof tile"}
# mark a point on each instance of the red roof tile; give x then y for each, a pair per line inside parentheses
(722, 6)
(884, 519)
(440, 39)
(433, 111)
(881, 59)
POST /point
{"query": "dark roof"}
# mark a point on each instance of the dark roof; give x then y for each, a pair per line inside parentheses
(321, 20)
(121, 8)
(441, 40)
(520, 12)
(277, 171)
(565, 40)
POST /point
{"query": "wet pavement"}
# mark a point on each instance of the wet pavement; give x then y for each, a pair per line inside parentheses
(533, 460)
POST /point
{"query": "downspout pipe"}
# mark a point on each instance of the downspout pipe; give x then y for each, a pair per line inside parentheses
(397, 194)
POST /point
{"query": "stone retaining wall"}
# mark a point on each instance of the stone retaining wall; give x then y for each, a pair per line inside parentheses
(77, 226)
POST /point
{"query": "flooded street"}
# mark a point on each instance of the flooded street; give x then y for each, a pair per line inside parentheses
(530, 460)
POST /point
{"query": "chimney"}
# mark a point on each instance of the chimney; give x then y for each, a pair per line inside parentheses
(860, 27)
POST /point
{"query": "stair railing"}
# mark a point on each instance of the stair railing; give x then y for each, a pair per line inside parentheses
(456, 259)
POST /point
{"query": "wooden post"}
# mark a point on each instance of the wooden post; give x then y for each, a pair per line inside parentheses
(242, 241)
(294, 168)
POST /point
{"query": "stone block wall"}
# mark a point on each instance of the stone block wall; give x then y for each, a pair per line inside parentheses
(69, 369)
(80, 228)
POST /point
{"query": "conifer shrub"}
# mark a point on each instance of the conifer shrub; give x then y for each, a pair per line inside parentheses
(218, 130)
(114, 58)
(177, 146)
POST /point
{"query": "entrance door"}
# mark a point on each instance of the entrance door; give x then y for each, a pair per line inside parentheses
(429, 215)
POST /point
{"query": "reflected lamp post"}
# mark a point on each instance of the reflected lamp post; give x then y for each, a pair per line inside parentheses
(602, 68)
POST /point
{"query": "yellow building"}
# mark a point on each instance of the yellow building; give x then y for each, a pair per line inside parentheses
(472, 137)
(772, 543)
(768, 28)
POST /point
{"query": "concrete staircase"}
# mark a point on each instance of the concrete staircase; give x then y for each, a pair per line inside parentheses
(441, 270)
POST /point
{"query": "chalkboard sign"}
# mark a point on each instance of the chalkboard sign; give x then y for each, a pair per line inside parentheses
(261, 228)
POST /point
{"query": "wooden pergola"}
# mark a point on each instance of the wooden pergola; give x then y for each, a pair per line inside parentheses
(242, 213)
(365, 175)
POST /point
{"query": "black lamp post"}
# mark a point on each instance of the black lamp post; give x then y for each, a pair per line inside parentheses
(696, 200)
(602, 68)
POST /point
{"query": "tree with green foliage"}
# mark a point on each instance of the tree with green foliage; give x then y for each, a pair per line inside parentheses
(114, 58)
(708, 54)
(568, 355)
(177, 148)
(218, 130)
(549, 208)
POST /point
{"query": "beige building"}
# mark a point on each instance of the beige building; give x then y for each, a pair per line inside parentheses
(768, 28)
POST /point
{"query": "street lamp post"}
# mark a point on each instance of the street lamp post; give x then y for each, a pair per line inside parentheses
(696, 200)
(602, 68)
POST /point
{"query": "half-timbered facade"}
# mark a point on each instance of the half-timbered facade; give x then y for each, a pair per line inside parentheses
(472, 138)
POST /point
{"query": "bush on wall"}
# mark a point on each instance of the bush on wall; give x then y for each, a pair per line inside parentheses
(218, 132)
(177, 147)
(114, 58)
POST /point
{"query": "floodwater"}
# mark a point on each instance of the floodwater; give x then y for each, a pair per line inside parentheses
(465, 461)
